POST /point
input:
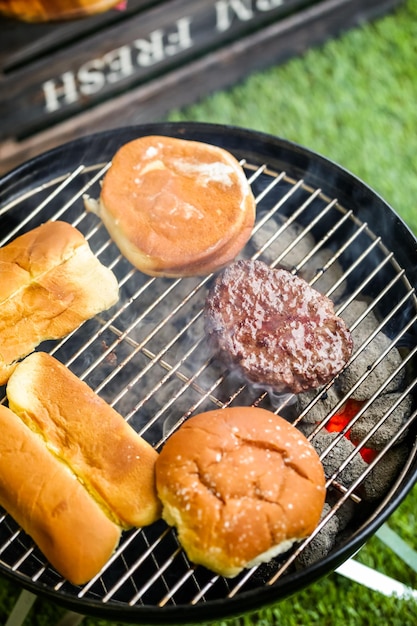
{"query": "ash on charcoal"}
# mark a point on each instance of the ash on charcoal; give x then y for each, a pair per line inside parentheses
(322, 543)
(334, 458)
(344, 511)
(391, 425)
(384, 473)
(307, 428)
(363, 362)
(317, 410)
(280, 248)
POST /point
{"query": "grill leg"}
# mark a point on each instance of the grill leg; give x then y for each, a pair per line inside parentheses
(20, 610)
(71, 619)
(398, 546)
(25, 602)
(379, 582)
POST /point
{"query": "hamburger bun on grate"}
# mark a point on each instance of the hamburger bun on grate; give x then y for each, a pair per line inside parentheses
(51, 10)
(51, 505)
(240, 485)
(51, 282)
(176, 207)
(112, 461)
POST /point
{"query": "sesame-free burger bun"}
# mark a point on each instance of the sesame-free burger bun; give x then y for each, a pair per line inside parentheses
(240, 485)
(176, 207)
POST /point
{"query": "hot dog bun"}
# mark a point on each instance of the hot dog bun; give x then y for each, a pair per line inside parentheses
(51, 282)
(113, 462)
(176, 207)
(50, 10)
(51, 505)
(240, 485)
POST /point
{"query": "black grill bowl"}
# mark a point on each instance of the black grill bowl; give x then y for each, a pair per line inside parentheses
(151, 581)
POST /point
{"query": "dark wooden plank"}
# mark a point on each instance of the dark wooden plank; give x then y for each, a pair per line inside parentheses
(221, 68)
(126, 54)
(21, 43)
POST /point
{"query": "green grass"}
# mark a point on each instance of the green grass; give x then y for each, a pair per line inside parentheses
(353, 100)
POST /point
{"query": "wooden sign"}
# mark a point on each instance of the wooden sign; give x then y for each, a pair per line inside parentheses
(58, 81)
(108, 62)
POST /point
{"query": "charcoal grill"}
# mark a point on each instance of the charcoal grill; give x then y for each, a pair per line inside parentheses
(147, 357)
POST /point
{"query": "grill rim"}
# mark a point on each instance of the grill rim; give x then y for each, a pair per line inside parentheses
(297, 162)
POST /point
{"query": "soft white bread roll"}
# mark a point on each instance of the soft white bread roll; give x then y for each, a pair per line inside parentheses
(48, 10)
(115, 464)
(50, 504)
(240, 485)
(176, 207)
(51, 282)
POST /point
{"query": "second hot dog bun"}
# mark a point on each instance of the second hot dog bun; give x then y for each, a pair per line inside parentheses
(113, 462)
(51, 505)
(240, 485)
(176, 207)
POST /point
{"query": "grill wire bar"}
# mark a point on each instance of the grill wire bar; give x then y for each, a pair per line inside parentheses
(147, 359)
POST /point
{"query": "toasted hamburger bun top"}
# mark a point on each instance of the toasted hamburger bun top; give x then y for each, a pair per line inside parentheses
(176, 207)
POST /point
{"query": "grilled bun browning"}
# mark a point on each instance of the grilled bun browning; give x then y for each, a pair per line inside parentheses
(176, 207)
(240, 485)
(50, 10)
(113, 462)
(51, 282)
(51, 505)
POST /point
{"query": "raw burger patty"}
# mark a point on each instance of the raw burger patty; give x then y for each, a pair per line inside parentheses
(278, 332)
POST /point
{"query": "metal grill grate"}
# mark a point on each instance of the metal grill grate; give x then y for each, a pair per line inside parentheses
(147, 357)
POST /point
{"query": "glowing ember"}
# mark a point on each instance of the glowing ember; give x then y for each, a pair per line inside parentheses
(340, 420)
